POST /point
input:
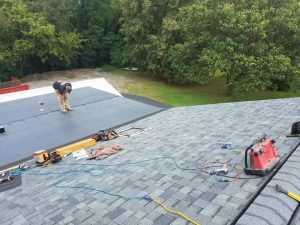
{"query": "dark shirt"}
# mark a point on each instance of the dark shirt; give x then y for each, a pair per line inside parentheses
(61, 88)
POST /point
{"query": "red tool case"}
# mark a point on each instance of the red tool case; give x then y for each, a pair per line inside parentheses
(261, 157)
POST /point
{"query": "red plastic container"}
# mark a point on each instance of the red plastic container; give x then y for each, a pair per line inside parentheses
(263, 157)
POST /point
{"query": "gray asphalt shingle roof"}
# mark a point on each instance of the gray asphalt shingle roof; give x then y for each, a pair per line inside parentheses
(272, 207)
(188, 134)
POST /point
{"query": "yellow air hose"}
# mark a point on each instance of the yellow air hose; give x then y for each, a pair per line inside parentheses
(174, 211)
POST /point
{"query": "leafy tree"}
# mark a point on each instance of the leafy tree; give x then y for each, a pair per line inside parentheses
(100, 29)
(142, 22)
(284, 33)
(61, 13)
(113, 39)
(96, 21)
(29, 42)
(254, 44)
(241, 40)
(65, 50)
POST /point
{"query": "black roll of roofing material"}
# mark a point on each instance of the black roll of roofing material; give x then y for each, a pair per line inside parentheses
(295, 217)
(2, 129)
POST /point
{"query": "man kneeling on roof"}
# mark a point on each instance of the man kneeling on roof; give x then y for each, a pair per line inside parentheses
(62, 89)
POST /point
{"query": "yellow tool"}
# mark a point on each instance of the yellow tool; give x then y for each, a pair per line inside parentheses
(41, 157)
(75, 146)
(290, 194)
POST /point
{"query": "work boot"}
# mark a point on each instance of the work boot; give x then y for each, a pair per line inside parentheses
(63, 109)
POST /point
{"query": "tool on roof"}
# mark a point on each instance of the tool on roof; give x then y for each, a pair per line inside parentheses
(9, 180)
(295, 128)
(223, 171)
(261, 157)
(55, 157)
(41, 157)
(295, 131)
(105, 135)
(5, 176)
(288, 193)
(127, 132)
(2, 129)
(23, 167)
(86, 143)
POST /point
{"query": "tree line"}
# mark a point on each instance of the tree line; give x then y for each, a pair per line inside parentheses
(251, 44)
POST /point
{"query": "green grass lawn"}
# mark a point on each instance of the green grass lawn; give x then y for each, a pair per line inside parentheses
(184, 95)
